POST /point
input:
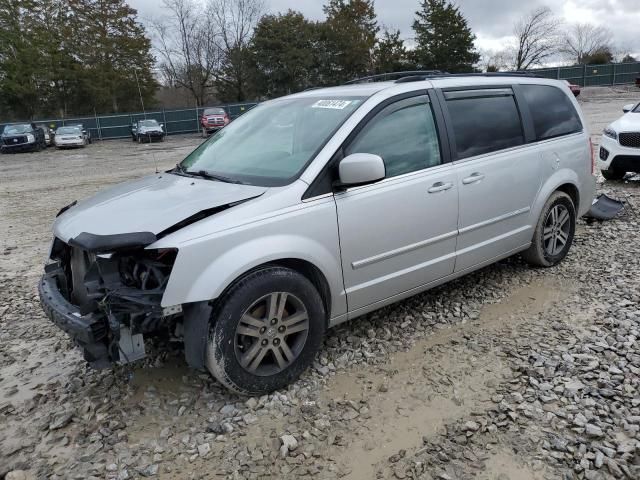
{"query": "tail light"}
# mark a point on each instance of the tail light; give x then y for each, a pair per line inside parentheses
(593, 158)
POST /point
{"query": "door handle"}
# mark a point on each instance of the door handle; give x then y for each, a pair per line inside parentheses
(440, 187)
(475, 177)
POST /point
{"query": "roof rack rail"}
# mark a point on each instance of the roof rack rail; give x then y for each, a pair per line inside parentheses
(417, 78)
(383, 77)
(418, 75)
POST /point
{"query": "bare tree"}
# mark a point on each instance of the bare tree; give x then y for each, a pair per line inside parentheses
(189, 47)
(584, 39)
(495, 60)
(536, 38)
(235, 20)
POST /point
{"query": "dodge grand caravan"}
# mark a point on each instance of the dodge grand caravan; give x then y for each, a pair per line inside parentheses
(314, 209)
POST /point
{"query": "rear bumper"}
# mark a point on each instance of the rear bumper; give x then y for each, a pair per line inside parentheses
(88, 331)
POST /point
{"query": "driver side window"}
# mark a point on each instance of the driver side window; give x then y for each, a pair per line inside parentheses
(403, 134)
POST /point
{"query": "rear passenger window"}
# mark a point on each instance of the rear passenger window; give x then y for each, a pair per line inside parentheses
(484, 124)
(403, 134)
(552, 111)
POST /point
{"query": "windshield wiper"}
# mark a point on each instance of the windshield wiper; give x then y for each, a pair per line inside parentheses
(204, 174)
(212, 176)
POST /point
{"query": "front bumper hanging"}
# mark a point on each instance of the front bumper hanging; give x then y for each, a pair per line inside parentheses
(89, 331)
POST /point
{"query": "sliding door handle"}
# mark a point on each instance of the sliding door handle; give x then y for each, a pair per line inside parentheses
(475, 177)
(440, 187)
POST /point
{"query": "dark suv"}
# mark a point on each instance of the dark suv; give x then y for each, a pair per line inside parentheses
(22, 137)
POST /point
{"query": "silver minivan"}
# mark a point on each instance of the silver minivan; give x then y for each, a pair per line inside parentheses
(314, 209)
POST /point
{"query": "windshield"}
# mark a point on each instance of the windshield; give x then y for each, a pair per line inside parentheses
(213, 111)
(273, 142)
(16, 129)
(68, 130)
(148, 123)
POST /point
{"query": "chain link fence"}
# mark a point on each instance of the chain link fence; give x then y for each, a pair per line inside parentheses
(594, 75)
(105, 127)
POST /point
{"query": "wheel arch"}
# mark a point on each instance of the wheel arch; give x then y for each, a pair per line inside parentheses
(304, 267)
(564, 180)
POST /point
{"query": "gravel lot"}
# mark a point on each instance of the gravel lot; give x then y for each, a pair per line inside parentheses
(508, 373)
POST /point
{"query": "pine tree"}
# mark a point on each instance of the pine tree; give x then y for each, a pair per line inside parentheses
(284, 54)
(349, 37)
(113, 49)
(390, 53)
(443, 37)
(21, 87)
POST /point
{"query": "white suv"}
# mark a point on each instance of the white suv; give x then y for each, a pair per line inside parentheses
(314, 209)
(619, 151)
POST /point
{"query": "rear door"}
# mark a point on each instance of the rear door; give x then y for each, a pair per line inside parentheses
(498, 174)
(400, 233)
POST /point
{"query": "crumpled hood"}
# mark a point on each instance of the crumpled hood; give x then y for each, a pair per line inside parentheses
(149, 204)
(629, 122)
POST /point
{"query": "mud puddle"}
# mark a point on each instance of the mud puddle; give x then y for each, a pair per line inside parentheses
(443, 377)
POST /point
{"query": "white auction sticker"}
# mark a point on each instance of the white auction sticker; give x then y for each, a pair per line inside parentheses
(333, 104)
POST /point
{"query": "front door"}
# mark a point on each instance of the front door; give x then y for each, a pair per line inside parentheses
(399, 233)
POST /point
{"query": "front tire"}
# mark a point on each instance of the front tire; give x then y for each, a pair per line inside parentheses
(613, 174)
(554, 232)
(265, 331)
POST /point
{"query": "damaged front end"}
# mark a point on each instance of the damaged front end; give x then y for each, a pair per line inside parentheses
(105, 291)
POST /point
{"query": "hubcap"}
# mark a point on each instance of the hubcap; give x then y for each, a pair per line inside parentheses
(556, 230)
(271, 333)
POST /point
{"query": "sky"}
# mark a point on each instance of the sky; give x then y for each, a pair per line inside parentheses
(491, 20)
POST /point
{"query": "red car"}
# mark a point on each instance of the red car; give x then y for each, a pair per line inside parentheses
(213, 119)
(575, 89)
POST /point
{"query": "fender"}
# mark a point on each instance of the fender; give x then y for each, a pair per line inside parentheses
(234, 261)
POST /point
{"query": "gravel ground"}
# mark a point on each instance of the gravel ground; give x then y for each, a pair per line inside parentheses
(508, 373)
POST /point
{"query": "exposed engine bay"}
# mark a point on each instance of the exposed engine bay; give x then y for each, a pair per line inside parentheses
(108, 301)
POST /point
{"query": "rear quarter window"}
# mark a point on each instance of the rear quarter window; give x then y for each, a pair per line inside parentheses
(552, 111)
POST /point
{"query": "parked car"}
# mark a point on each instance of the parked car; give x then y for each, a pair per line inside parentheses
(148, 129)
(47, 134)
(256, 243)
(71, 136)
(213, 119)
(575, 89)
(22, 137)
(619, 151)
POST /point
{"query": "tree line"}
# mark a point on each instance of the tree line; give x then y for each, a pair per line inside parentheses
(233, 49)
(76, 57)
(61, 57)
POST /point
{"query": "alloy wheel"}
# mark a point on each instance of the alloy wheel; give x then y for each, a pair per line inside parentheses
(271, 334)
(557, 227)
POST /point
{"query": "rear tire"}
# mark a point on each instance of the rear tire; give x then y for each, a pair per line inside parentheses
(265, 331)
(613, 174)
(554, 232)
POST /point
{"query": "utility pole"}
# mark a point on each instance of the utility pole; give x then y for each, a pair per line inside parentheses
(140, 93)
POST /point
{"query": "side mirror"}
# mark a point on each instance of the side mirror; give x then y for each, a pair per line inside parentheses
(628, 107)
(161, 125)
(360, 169)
